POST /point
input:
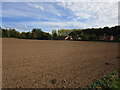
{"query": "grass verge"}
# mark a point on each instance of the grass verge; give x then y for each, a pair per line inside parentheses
(110, 81)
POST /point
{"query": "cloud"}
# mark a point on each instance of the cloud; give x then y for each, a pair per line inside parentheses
(59, 25)
(20, 27)
(11, 10)
(56, 15)
(98, 13)
(47, 8)
(59, 14)
(36, 6)
(60, 1)
(29, 11)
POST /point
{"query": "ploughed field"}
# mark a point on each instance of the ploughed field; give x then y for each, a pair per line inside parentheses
(56, 64)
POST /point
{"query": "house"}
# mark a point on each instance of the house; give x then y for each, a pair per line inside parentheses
(107, 38)
(67, 38)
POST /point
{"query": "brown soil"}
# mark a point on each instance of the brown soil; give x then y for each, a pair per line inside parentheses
(56, 64)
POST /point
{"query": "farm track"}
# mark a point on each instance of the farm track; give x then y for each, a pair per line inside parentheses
(56, 64)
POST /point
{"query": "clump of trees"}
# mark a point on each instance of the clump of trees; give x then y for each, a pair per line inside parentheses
(88, 34)
(10, 33)
(34, 34)
(99, 33)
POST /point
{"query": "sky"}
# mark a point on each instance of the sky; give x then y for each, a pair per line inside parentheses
(24, 16)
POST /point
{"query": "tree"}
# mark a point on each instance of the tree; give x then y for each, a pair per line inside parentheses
(28, 35)
(12, 32)
(0, 32)
(93, 37)
(49, 36)
(54, 34)
(23, 35)
(34, 35)
(54, 31)
(17, 35)
(38, 33)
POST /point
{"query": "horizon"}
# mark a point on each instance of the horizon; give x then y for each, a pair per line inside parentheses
(60, 15)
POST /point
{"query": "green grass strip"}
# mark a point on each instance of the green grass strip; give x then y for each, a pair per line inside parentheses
(110, 81)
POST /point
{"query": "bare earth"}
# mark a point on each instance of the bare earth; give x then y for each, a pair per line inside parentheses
(56, 64)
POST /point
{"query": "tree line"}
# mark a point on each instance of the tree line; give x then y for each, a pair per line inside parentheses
(88, 34)
(34, 34)
(72, 34)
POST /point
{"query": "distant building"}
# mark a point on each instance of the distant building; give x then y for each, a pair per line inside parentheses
(71, 38)
(79, 38)
(107, 38)
(67, 38)
(112, 38)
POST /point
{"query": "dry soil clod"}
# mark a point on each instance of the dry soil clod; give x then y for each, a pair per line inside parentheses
(53, 81)
(107, 63)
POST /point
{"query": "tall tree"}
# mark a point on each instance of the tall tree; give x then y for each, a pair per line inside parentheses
(38, 32)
